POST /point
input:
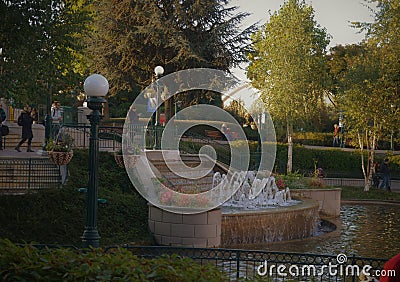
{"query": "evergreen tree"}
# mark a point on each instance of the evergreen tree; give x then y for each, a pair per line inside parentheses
(131, 37)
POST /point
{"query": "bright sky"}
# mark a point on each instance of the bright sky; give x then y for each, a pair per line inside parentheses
(335, 15)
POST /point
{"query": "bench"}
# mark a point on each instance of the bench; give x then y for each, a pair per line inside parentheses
(213, 134)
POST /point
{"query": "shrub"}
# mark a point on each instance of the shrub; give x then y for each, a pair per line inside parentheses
(58, 216)
(27, 263)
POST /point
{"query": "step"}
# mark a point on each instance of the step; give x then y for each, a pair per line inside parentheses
(12, 140)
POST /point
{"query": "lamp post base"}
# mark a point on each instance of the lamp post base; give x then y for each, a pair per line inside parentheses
(91, 238)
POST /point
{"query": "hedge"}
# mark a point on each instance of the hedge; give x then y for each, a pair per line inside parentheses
(27, 263)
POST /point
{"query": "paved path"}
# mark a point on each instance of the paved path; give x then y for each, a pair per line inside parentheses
(394, 184)
(383, 152)
(12, 153)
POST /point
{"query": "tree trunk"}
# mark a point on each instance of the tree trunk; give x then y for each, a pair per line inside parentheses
(290, 147)
(361, 145)
(371, 160)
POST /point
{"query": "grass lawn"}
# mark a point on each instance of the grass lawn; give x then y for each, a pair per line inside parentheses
(358, 193)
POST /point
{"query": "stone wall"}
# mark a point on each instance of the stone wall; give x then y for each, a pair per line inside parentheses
(201, 230)
(328, 199)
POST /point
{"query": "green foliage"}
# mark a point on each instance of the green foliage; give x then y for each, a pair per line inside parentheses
(62, 144)
(27, 263)
(58, 216)
(358, 193)
(313, 138)
(287, 64)
(237, 109)
(334, 162)
(294, 180)
(42, 48)
(131, 38)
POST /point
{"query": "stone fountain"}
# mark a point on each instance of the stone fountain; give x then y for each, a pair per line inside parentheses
(252, 210)
(260, 212)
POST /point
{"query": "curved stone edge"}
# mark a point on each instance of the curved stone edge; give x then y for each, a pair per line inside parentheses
(286, 223)
(328, 199)
(202, 230)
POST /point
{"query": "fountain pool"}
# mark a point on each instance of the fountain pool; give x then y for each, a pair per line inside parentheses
(269, 224)
(366, 230)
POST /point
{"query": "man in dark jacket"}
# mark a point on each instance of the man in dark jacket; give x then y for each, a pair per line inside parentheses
(385, 172)
(27, 134)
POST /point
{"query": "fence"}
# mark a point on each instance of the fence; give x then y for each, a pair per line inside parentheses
(21, 175)
(238, 264)
(110, 137)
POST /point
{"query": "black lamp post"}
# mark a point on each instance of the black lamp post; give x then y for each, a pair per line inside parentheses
(159, 71)
(47, 130)
(96, 87)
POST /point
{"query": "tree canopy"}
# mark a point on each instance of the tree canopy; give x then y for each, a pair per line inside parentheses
(131, 37)
(288, 64)
(41, 47)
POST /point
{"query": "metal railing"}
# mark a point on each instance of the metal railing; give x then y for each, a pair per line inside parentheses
(243, 264)
(238, 264)
(22, 175)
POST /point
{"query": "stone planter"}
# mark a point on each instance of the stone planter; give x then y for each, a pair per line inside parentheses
(328, 199)
(202, 230)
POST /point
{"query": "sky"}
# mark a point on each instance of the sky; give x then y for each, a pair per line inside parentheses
(334, 15)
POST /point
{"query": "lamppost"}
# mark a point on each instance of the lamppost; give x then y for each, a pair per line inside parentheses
(47, 131)
(159, 71)
(96, 87)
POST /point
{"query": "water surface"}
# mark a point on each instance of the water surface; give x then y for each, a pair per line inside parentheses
(367, 230)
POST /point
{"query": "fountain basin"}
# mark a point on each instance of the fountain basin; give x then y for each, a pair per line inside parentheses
(328, 199)
(269, 225)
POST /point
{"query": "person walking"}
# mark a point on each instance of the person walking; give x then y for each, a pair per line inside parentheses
(385, 173)
(27, 118)
(336, 129)
(56, 118)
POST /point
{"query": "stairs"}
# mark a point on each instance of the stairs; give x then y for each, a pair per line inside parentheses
(22, 175)
(184, 184)
(12, 139)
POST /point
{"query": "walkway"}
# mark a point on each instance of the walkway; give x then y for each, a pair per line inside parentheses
(394, 184)
(12, 153)
(383, 152)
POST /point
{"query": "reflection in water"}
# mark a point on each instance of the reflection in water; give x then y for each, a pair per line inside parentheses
(371, 230)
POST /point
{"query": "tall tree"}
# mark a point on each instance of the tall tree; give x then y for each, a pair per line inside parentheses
(361, 102)
(131, 37)
(372, 100)
(288, 65)
(41, 46)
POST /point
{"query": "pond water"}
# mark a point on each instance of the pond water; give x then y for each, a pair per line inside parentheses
(366, 230)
